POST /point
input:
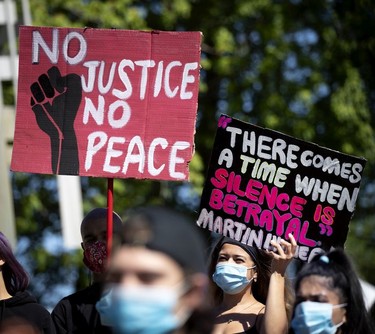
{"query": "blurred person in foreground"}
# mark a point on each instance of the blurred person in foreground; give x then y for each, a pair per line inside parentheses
(17, 325)
(18, 308)
(329, 298)
(372, 314)
(156, 281)
(76, 313)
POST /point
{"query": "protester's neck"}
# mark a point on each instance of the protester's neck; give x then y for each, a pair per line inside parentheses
(4, 294)
(244, 297)
(97, 278)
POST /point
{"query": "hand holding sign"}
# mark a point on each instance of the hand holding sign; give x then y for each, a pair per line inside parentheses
(283, 254)
(52, 96)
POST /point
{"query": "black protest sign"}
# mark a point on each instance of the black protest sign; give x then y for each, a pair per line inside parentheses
(263, 185)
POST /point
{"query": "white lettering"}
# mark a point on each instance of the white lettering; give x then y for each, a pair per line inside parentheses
(186, 79)
(151, 155)
(174, 159)
(112, 153)
(81, 54)
(38, 41)
(93, 148)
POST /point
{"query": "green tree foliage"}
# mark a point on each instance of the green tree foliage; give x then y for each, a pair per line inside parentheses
(304, 68)
(361, 246)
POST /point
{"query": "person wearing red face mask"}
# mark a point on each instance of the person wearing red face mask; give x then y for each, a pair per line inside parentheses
(76, 313)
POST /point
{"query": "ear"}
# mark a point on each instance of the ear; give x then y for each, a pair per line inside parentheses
(345, 318)
(1, 262)
(196, 294)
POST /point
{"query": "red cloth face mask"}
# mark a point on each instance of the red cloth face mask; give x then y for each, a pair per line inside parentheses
(95, 256)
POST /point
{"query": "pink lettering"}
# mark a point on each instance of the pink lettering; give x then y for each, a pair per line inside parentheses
(252, 212)
(216, 199)
(296, 206)
(303, 239)
(220, 181)
(229, 204)
(280, 221)
(266, 219)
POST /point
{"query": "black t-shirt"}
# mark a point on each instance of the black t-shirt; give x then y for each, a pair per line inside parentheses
(76, 313)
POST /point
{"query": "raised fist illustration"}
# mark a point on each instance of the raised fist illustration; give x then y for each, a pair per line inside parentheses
(55, 102)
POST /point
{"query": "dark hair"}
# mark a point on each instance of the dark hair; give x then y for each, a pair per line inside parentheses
(168, 231)
(15, 277)
(263, 262)
(263, 268)
(338, 268)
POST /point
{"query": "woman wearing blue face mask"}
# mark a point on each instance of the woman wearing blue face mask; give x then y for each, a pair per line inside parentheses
(249, 289)
(329, 298)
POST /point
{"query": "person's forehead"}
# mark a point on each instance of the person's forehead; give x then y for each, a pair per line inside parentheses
(93, 226)
(315, 285)
(140, 259)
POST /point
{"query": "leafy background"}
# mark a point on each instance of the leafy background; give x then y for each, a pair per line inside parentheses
(305, 68)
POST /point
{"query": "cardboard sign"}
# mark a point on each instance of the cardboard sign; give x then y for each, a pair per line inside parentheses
(105, 102)
(262, 185)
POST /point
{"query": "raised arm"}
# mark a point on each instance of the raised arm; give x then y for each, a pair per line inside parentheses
(275, 317)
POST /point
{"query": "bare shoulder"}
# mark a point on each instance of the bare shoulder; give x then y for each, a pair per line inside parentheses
(237, 321)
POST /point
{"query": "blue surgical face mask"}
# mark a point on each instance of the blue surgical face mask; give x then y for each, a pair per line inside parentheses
(231, 278)
(139, 310)
(314, 318)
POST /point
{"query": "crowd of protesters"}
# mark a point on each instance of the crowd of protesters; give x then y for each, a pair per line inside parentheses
(164, 277)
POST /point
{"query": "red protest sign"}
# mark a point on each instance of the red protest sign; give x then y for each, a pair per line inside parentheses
(109, 103)
(262, 185)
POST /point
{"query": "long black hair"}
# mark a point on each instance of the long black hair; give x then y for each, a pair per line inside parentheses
(338, 268)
